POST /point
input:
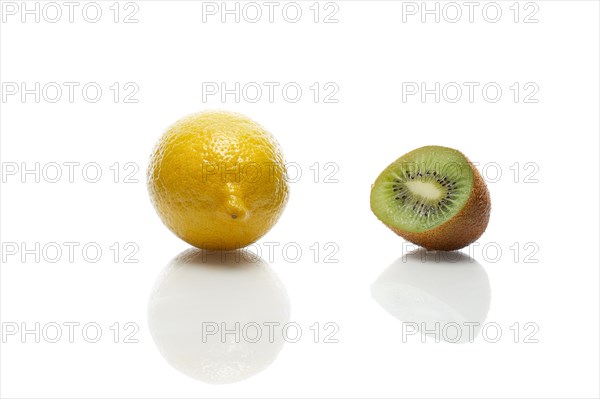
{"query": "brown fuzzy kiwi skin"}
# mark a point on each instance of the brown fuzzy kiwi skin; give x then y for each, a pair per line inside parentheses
(462, 229)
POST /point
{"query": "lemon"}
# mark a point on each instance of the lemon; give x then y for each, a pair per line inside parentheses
(218, 180)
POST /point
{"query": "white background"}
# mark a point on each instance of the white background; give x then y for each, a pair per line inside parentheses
(368, 54)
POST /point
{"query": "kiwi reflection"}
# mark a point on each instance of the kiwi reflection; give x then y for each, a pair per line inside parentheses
(198, 295)
(429, 287)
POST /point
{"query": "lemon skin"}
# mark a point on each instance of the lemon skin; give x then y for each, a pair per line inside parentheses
(218, 180)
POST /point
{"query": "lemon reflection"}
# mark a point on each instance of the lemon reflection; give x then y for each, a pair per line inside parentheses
(196, 304)
(429, 288)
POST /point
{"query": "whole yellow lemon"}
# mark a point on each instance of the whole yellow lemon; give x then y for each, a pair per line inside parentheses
(218, 180)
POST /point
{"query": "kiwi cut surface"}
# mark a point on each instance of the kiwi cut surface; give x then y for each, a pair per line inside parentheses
(432, 196)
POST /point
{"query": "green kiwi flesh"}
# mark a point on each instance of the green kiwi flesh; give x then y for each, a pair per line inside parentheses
(422, 189)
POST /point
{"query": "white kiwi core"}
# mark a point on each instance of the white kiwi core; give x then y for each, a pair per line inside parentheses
(427, 190)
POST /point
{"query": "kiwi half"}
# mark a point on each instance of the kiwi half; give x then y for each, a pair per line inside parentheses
(434, 197)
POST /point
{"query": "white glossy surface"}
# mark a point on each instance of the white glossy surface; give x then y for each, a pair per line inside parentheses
(546, 273)
(199, 297)
(436, 290)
